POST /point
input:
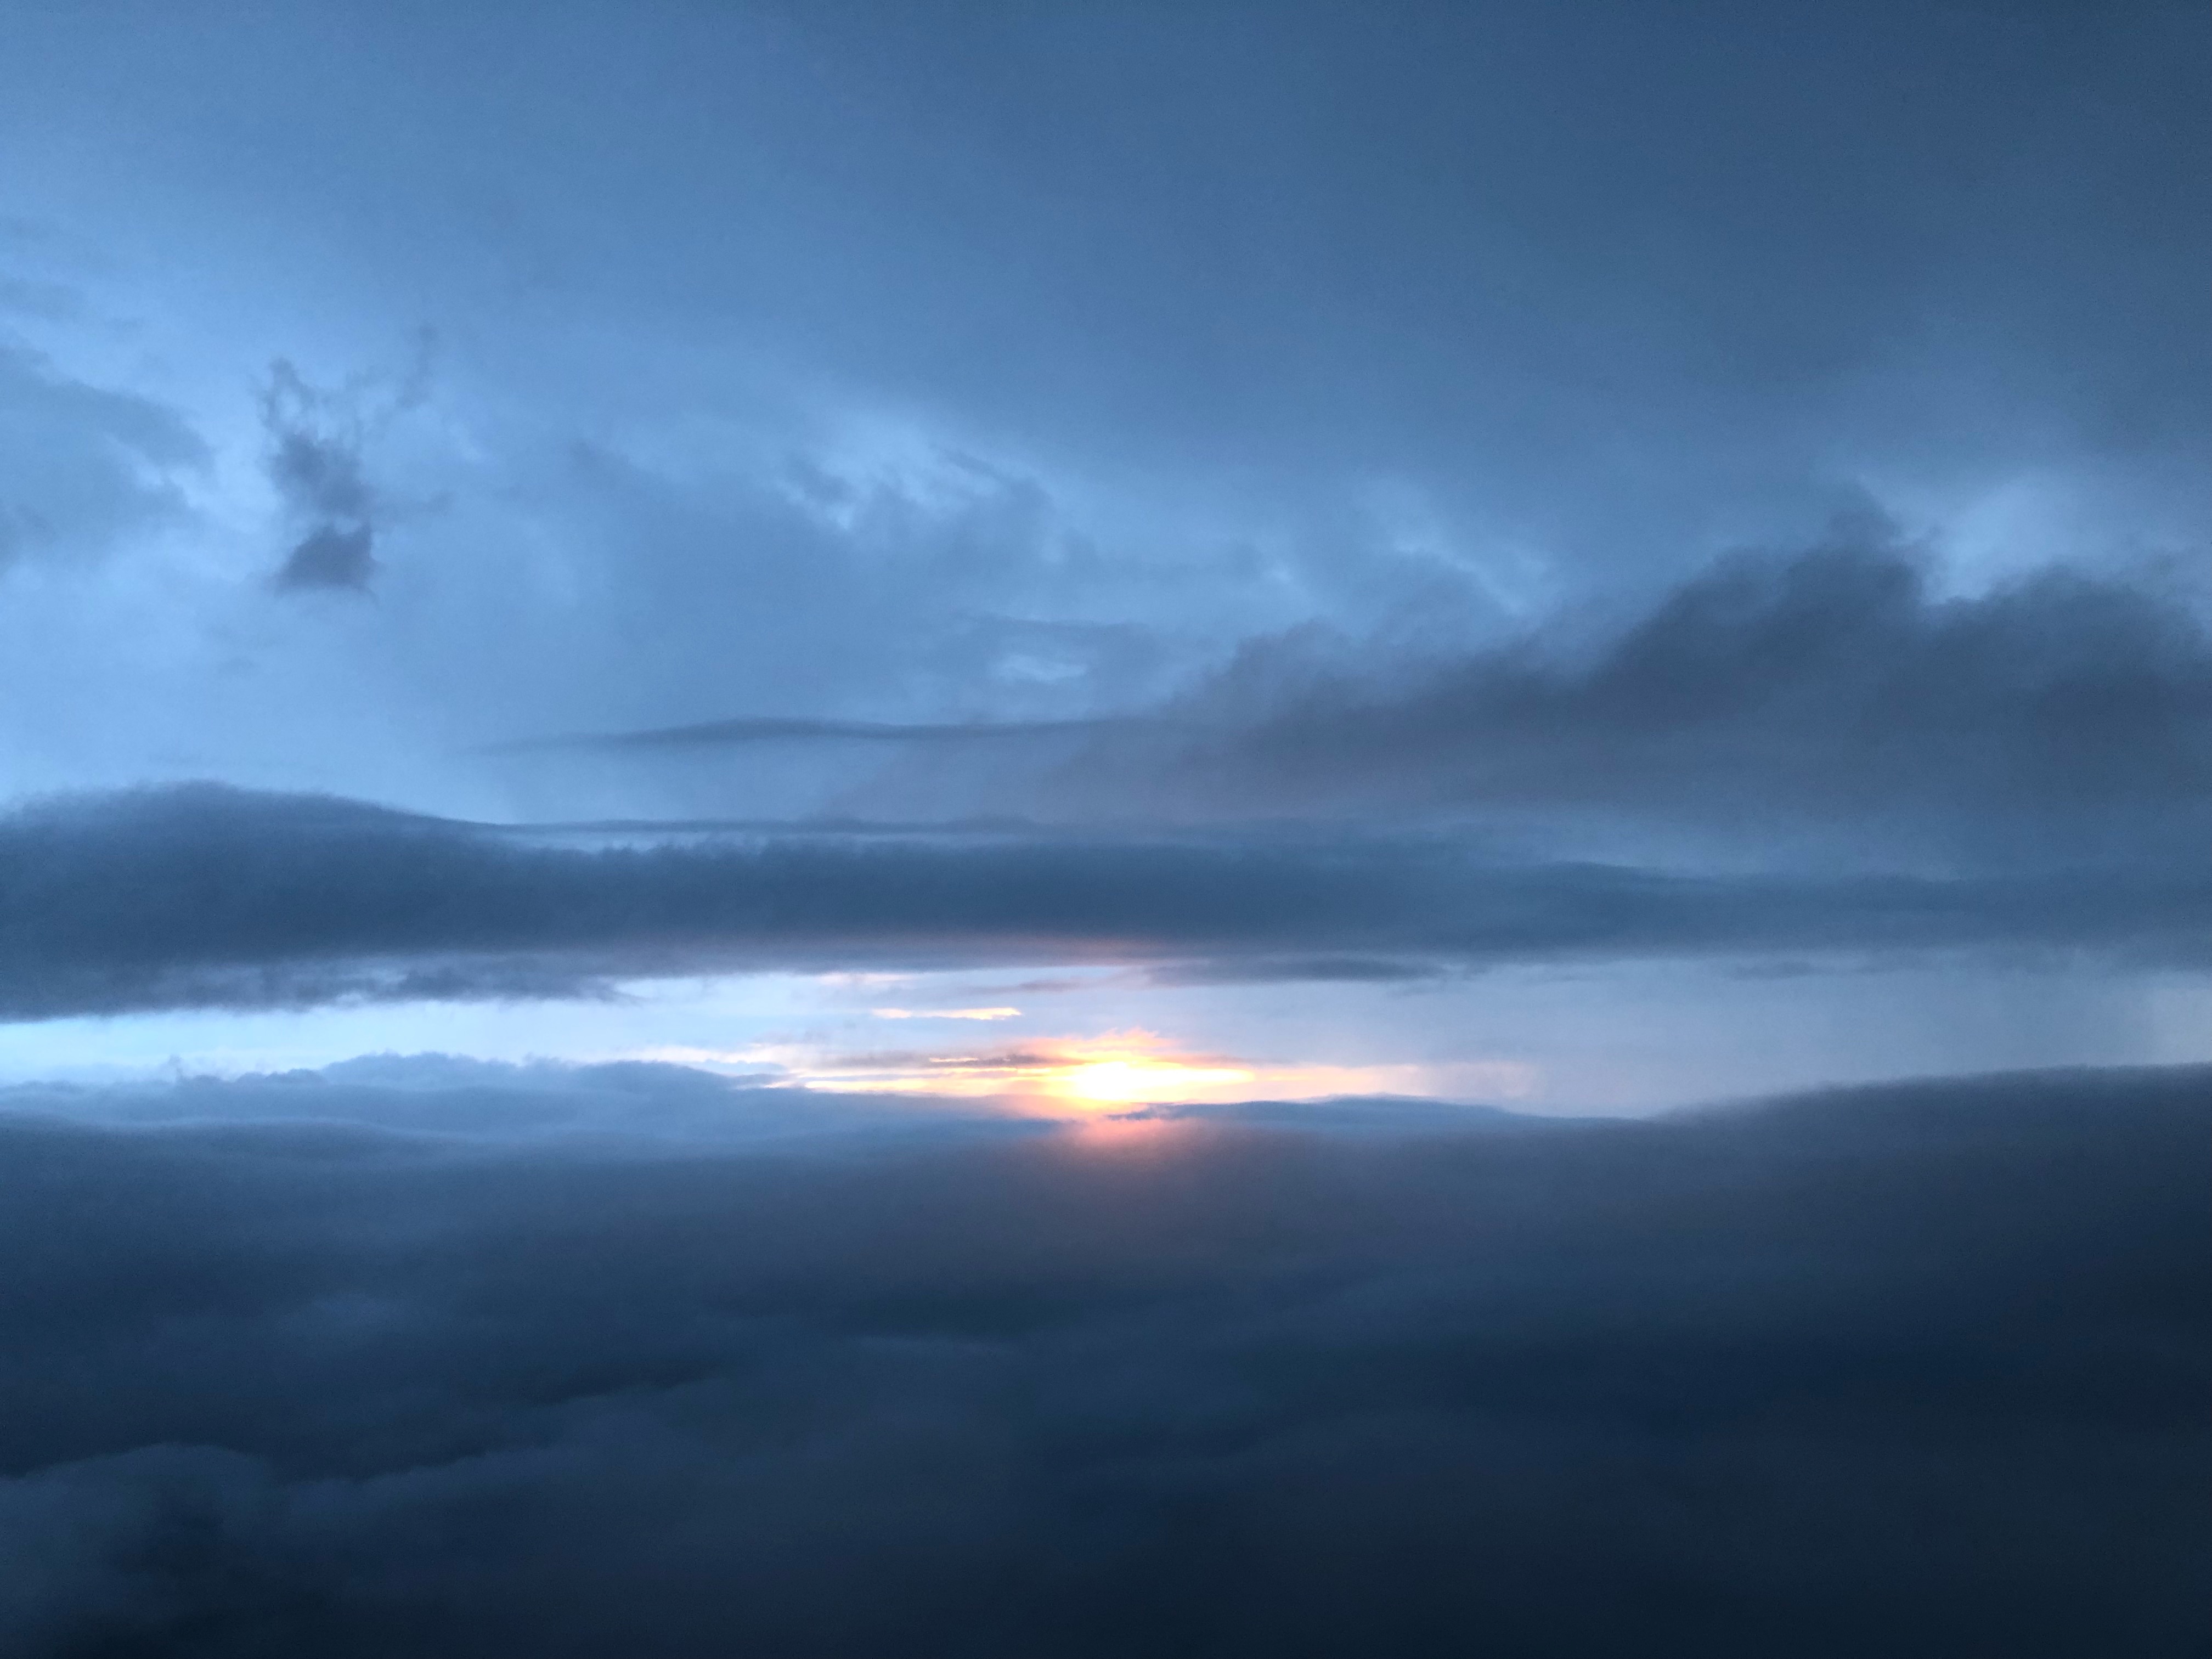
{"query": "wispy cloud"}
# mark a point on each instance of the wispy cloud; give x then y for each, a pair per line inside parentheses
(710, 734)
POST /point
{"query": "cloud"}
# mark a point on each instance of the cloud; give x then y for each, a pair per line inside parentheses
(316, 437)
(1830, 689)
(1086, 1076)
(330, 557)
(721, 733)
(1918, 1369)
(207, 896)
(1354, 971)
(81, 466)
(1298, 345)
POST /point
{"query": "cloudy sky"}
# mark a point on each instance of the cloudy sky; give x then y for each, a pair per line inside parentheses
(867, 829)
(1605, 557)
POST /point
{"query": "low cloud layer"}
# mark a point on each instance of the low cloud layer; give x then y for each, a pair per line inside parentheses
(211, 897)
(1917, 1370)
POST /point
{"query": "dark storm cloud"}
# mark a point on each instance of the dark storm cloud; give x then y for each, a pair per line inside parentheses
(202, 896)
(1830, 688)
(1916, 1370)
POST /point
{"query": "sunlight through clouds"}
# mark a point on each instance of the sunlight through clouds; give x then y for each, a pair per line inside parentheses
(1061, 1075)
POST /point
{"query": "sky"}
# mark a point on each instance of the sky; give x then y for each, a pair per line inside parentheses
(1708, 445)
(843, 606)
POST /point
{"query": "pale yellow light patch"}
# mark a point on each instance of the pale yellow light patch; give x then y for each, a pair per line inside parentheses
(946, 1013)
(1120, 1082)
(677, 1054)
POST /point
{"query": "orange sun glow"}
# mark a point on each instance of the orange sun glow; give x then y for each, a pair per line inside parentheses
(1082, 1076)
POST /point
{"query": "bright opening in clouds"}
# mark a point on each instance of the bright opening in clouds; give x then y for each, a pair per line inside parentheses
(936, 827)
(1063, 1075)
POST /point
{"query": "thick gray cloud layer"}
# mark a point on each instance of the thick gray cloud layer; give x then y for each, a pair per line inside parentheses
(1831, 689)
(202, 895)
(1917, 1370)
(1828, 691)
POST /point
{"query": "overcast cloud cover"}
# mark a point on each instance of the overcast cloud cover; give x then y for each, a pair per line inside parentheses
(1920, 1369)
(1254, 585)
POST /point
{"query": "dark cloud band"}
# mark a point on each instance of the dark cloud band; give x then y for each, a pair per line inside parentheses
(205, 895)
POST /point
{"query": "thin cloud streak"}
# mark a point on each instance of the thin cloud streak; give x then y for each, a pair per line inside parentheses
(711, 734)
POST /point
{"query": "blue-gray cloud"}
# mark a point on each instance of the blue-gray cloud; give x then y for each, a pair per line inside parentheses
(716, 734)
(209, 897)
(1010, 403)
(372, 1364)
(1825, 693)
(315, 461)
(82, 466)
(1830, 689)
(853, 404)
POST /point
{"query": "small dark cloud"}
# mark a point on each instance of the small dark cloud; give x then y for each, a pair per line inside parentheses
(315, 460)
(329, 556)
(295, 1367)
(206, 896)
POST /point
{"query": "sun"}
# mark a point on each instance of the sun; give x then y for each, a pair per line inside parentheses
(1098, 1077)
(1136, 1077)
